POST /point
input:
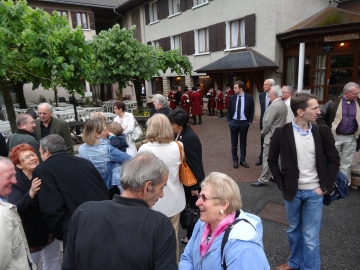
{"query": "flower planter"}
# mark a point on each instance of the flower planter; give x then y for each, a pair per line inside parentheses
(141, 120)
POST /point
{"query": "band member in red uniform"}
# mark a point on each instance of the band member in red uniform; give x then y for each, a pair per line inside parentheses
(190, 92)
(201, 94)
(171, 98)
(196, 107)
(211, 94)
(229, 93)
(219, 102)
(185, 101)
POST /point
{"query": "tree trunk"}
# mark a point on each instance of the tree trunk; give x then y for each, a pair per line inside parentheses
(5, 90)
(56, 97)
(137, 85)
(19, 92)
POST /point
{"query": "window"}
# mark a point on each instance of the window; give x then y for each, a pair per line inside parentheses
(199, 2)
(175, 42)
(153, 12)
(174, 7)
(237, 33)
(62, 13)
(203, 40)
(82, 20)
(156, 43)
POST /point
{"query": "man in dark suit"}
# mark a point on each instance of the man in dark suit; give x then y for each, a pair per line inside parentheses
(264, 104)
(47, 124)
(309, 165)
(240, 116)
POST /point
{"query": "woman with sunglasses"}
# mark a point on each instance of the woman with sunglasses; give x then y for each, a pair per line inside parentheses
(24, 196)
(220, 205)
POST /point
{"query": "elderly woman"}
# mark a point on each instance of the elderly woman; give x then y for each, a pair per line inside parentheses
(127, 121)
(160, 136)
(102, 154)
(24, 196)
(193, 152)
(220, 203)
(160, 105)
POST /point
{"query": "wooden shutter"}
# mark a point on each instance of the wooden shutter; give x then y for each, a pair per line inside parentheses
(92, 20)
(148, 43)
(49, 10)
(73, 18)
(250, 30)
(184, 44)
(189, 4)
(212, 38)
(182, 5)
(190, 42)
(220, 36)
(163, 6)
(165, 44)
(147, 14)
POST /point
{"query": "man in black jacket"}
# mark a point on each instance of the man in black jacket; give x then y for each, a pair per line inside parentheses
(67, 182)
(125, 233)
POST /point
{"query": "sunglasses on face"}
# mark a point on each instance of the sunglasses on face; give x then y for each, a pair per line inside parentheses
(28, 157)
(203, 197)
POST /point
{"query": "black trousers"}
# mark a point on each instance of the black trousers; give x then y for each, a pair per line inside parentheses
(238, 128)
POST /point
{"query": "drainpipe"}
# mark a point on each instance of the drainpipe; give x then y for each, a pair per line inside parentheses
(301, 67)
(121, 16)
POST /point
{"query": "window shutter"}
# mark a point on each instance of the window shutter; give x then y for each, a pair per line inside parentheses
(184, 47)
(167, 44)
(189, 4)
(49, 10)
(147, 14)
(190, 42)
(250, 30)
(220, 36)
(212, 38)
(163, 9)
(149, 43)
(182, 5)
(73, 19)
(92, 21)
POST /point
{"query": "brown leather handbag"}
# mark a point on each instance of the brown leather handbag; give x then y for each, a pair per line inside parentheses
(186, 176)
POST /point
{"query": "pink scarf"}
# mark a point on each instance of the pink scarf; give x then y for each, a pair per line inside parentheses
(205, 245)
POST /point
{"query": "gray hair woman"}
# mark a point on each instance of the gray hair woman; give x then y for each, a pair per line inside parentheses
(160, 105)
(220, 203)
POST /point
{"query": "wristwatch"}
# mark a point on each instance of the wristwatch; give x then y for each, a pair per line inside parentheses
(325, 191)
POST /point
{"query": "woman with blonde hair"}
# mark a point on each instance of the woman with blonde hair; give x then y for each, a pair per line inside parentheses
(106, 158)
(220, 206)
(160, 136)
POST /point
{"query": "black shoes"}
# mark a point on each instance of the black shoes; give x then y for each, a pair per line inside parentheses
(244, 164)
(236, 165)
(259, 162)
(258, 184)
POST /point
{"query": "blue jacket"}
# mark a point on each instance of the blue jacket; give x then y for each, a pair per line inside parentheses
(244, 249)
(106, 159)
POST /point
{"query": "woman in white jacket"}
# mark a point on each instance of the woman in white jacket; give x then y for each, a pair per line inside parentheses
(127, 121)
(160, 136)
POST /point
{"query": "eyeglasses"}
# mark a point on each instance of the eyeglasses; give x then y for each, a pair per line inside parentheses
(204, 197)
(28, 157)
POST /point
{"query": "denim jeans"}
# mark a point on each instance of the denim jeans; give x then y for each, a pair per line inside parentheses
(304, 214)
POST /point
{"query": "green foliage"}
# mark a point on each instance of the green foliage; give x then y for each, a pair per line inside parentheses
(332, 18)
(119, 57)
(42, 99)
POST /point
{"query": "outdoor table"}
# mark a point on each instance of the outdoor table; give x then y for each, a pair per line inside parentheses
(110, 116)
(61, 104)
(93, 109)
(18, 111)
(32, 106)
(60, 108)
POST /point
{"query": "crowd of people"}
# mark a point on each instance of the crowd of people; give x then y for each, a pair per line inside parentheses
(113, 202)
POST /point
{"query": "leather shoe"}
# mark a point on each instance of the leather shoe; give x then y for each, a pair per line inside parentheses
(236, 165)
(284, 267)
(271, 180)
(244, 164)
(259, 162)
(258, 184)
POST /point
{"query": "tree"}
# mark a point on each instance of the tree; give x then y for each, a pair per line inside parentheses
(39, 48)
(121, 58)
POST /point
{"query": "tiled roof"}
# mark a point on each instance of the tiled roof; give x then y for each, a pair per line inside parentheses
(98, 3)
(247, 59)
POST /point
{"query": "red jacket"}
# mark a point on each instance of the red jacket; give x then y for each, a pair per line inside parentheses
(196, 103)
(229, 93)
(220, 101)
(171, 98)
(185, 103)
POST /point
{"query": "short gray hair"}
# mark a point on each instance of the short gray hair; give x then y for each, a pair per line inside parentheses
(271, 81)
(349, 85)
(22, 118)
(6, 161)
(140, 169)
(53, 143)
(50, 108)
(289, 89)
(277, 90)
(161, 99)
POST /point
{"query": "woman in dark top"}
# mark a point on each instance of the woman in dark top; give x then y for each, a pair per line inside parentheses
(24, 196)
(193, 152)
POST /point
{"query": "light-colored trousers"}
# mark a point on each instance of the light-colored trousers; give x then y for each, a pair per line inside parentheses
(50, 256)
(346, 145)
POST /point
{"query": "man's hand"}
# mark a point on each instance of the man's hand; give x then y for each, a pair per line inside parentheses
(318, 191)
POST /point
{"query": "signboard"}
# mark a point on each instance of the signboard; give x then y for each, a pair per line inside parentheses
(328, 47)
(342, 37)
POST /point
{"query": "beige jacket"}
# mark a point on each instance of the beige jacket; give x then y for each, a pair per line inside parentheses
(14, 249)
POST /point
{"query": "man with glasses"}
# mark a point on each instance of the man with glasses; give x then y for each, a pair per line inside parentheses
(343, 117)
(274, 117)
(287, 92)
(264, 104)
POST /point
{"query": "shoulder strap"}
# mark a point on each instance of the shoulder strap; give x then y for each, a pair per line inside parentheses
(226, 238)
(181, 152)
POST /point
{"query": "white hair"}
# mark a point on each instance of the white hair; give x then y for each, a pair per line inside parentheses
(277, 90)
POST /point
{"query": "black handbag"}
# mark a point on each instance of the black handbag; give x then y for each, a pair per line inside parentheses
(189, 216)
